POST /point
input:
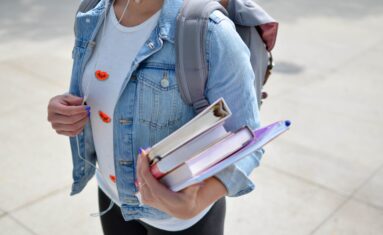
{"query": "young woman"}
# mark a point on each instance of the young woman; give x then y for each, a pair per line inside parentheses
(124, 96)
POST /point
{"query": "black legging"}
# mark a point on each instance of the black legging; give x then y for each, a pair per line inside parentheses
(114, 224)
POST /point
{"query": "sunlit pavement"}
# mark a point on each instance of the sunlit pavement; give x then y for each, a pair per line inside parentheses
(323, 177)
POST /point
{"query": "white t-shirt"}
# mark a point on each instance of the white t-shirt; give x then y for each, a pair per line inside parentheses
(116, 49)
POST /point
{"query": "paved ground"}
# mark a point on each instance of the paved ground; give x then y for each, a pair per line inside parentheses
(324, 177)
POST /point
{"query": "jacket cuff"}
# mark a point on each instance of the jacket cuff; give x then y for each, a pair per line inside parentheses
(235, 181)
(236, 176)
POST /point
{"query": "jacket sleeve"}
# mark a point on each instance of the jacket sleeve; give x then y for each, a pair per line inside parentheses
(231, 77)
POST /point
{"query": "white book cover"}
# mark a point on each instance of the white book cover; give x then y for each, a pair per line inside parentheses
(214, 114)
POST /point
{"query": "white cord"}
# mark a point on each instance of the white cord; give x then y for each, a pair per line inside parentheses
(86, 94)
(123, 12)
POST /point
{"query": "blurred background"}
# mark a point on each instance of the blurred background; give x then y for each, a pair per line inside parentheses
(325, 176)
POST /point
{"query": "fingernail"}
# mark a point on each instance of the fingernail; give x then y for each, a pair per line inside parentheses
(136, 183)
(140, 150)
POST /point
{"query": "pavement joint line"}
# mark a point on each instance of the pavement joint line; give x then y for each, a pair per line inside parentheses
(351, 197)
(318, 151)
(321, 186)
(365, 119)
(307, 181)
(21, 224)
(372, 205)
(40, 77)
(39, 199)
(4, 214)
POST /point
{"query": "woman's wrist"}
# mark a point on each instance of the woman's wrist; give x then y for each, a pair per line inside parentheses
(212, 190)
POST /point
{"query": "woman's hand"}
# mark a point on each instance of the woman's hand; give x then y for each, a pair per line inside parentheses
(184, 204)
(67, 114)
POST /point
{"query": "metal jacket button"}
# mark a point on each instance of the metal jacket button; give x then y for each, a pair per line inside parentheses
(164, 83)
(151, 45)
(165, 80)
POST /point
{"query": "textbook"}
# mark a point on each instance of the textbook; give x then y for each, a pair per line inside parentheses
(260, 137)
(187, 151)
(208, 157)
(210, 117)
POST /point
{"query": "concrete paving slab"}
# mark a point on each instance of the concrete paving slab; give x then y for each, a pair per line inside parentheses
(36, 20)
(340, 175)
(326, 43)
(22, 89)
(354, 219)
(279, 205)
(61, 214)
(329, 135)
(336, 126)
(35, 160)
(353, 90)
(321, 35)
(21, 47)
(310, 46)
(10, 227)
(372, 192)
(56, 74)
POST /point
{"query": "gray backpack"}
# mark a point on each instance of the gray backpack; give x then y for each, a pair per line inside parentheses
(257, 29)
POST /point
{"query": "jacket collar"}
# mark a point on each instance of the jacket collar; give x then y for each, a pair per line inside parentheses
(167, 20)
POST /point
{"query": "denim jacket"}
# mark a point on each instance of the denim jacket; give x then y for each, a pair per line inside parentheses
(148, 110)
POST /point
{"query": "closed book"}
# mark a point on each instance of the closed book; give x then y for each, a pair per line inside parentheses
(210, 156)
(187, 151)
(262, 136)
(210, 117)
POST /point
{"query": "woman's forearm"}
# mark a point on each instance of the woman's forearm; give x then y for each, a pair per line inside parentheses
(211, 191)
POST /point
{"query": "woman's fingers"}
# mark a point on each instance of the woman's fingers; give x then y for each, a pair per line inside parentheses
(66, 105)
(67, 114)
(74, 127)
(66, 110)
(147, 176)
(61, 119)
(147, 196)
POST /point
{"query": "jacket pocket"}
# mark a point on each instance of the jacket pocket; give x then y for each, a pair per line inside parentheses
(160, 103)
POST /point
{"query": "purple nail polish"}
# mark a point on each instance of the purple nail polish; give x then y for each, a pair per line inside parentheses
(87, 108)
(140, 151)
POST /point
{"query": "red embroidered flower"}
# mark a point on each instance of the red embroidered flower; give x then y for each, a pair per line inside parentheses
(101, 75)
(104, 117)
(112, 178)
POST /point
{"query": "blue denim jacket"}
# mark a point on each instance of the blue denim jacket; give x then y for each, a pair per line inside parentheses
(147, 111)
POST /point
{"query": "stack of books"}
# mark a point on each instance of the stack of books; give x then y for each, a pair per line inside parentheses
(203, 147)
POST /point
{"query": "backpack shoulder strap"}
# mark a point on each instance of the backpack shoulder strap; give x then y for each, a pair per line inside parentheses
(86, 5)
(191, 65)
